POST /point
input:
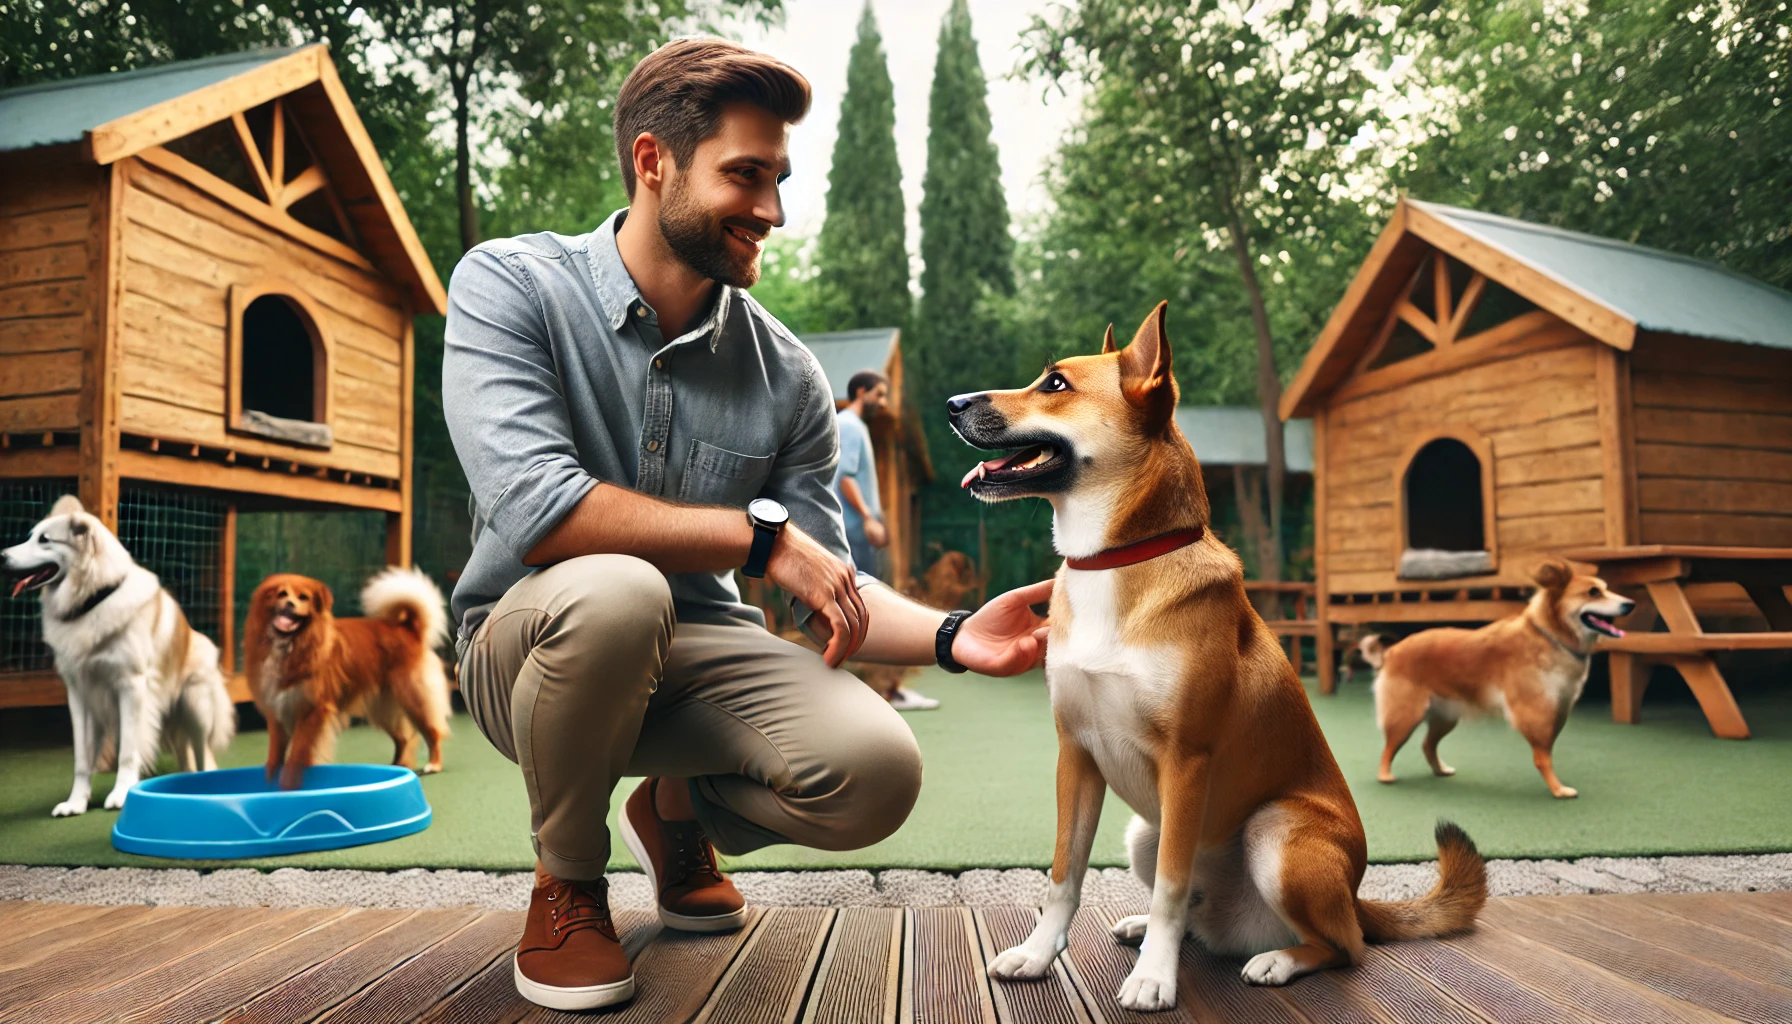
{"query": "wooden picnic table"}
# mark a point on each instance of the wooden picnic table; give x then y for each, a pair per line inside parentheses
(1664, 571)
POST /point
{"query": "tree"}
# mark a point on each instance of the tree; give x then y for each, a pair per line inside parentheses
(863, 244)
(1242, 126)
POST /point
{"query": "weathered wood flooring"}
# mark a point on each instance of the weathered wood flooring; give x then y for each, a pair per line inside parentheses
(1704, 957)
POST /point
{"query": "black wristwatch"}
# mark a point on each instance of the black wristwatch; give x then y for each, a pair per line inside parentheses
(942, 641)
(768, 519)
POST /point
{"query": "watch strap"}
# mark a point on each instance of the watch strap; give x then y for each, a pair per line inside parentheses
(760, 554)
(942, 641)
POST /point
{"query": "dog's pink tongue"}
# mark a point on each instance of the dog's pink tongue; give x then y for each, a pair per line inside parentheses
(1616, 632)
(978, 470)
(19, 587)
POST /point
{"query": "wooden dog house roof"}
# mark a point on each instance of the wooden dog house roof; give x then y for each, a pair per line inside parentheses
(1609, 289)
(113, 116)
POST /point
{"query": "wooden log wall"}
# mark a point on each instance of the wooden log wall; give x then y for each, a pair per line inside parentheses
(182, 252)
(1713, 442)
(1534, 397)
(49, 281)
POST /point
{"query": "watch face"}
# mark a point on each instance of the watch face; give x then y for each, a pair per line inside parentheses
(768, 511)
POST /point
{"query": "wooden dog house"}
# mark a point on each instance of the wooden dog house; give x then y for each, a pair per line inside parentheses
(896, 435)
(1495, 390)
(206, 289)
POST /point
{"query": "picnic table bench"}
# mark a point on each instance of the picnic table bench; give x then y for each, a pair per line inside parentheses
(1665, 572)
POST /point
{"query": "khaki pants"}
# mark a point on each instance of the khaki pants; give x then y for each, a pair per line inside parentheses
(582, 675)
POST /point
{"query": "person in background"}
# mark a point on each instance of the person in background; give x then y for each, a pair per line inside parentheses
(855, 482)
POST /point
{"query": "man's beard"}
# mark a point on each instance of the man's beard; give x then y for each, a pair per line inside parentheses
(697, 239)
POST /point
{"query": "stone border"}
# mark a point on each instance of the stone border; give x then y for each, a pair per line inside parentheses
(420, 887)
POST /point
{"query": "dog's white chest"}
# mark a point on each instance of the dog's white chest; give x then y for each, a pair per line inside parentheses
(1111, 697)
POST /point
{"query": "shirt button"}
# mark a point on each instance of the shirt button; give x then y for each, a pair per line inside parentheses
(659, 364)
(653, 446)
(640, 310)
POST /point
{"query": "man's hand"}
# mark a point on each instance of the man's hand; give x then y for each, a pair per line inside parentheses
(1004, 637)
(811, 574)
(876, 533)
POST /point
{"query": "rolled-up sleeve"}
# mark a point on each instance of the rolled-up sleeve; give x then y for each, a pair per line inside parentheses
(504, 405)
(803, 473)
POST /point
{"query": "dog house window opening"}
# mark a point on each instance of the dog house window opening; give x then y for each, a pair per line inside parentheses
(1444, 501)
(23, 503)
(279, 360)
(179, 536)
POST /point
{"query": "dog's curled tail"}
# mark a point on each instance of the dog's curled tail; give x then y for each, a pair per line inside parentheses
(1450, 906)
(406, 597)
(1374, 649)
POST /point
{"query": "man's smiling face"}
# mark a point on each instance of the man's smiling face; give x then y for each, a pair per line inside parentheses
(716, 213)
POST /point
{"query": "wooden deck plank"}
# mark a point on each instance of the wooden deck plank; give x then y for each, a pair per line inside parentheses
(1664, 970)
(945, 982)
(22, 920)
(165, 933)
(17, 951)
(1378, 989)
(674, 976)
(1724, 911)
(1207, 987)
(422, 981)
(313, 991)
(768, 980)
(235, 986)
(158, 979)
(1716, 946)
(1498, 997)
(1052, 999)
(861, 970)
(489, 996)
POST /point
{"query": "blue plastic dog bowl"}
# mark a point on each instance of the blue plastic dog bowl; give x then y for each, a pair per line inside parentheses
(237, 812)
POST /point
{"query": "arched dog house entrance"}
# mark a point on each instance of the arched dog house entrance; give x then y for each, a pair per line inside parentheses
(279, 366)
(1445, 492)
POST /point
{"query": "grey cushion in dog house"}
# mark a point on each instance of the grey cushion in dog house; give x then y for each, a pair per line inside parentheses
(1433, 564)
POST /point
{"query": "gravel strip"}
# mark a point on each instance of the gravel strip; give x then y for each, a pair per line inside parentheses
(420, 887)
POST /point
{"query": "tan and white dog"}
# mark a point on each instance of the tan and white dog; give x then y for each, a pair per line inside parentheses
(1166, 685)
(137, 674)
(1529, 667)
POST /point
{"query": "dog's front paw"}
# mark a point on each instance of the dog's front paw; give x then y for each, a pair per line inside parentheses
(1020, 963)
(1142, 991)
(68, 809)
(430, 769)
(1130, 931)
(1567, 793)
(1275, 967)
(115, 799)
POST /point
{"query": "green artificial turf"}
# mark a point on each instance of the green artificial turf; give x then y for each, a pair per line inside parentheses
(1665, 786)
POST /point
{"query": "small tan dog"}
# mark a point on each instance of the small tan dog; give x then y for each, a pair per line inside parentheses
(1167, 686)
(1530, 667)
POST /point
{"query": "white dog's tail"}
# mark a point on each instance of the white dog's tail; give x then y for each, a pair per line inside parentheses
(206, 717)
(406, 597)
(1374, 649)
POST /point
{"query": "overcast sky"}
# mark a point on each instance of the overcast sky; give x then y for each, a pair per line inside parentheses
(1028, 117)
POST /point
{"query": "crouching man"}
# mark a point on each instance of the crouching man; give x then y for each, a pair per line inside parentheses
(634, 428)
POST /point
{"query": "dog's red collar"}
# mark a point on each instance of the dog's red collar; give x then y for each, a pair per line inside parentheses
(1138, 551)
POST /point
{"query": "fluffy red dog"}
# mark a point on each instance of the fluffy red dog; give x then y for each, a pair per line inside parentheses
(311, 671)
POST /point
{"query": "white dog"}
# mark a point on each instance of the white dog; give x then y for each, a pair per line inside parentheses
(134, 669)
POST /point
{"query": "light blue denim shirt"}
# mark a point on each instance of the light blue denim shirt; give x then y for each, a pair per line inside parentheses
(556, 377)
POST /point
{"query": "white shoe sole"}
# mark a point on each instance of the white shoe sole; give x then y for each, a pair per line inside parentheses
(586, 997)
(719, 923)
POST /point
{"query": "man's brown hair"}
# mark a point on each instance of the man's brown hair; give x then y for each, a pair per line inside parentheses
(678, 91)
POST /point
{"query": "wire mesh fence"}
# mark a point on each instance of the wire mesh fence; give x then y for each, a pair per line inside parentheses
(22, 504)
(179, 536)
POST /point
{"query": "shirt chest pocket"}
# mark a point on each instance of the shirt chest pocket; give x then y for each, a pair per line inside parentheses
(717, 476)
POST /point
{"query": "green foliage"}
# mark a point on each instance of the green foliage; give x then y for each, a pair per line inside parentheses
(864, 249)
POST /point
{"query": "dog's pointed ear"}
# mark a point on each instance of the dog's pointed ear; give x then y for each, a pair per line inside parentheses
(1552, 574)
(1107, 342)
(1145, 375)
(68, 504)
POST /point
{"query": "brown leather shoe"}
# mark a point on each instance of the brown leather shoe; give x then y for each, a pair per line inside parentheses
(694, 895)
(569, 958)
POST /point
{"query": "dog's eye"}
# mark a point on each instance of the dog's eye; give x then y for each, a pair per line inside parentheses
(1592, 591)
(1054, 382)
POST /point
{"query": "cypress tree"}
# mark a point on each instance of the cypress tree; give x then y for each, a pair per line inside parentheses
(864, 246)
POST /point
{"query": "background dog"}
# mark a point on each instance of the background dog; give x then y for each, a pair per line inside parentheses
(1167, 687)
(1531, 667)
(311, 671)
(136, 673)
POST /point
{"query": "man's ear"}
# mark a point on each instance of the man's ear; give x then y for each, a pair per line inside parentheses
(652, 161)
(1145, 376)
(1552, 574)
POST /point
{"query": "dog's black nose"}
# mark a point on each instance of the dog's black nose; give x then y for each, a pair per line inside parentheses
(1629, 606)
(959, 403)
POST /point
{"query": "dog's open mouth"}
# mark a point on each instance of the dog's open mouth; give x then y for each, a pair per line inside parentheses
(285, 621)
(1031, 461)
(1600, 624)
(36, 578)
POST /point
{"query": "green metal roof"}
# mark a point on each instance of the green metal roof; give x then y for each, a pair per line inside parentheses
(844, 353)
(58, 112)
(1232, 435)
(1657, 290)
